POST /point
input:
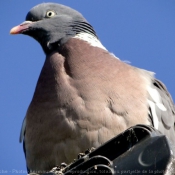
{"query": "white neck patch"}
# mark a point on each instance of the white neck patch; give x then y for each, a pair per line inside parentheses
(92, 40)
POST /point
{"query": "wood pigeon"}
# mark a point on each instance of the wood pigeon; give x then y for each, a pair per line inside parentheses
(84, 95)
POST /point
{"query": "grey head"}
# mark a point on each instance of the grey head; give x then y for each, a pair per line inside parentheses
(52, 25)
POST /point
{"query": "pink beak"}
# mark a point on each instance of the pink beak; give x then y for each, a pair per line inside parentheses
(20, 28)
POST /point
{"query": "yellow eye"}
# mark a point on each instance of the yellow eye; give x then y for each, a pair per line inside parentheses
(50, 14)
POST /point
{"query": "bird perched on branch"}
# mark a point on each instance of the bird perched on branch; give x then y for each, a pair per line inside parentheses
(84, 95)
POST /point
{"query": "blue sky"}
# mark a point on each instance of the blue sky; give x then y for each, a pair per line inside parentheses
(142, 32)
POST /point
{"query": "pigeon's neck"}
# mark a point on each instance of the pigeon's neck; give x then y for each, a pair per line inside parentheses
(80, 30)
(84, 31)
(90, 39)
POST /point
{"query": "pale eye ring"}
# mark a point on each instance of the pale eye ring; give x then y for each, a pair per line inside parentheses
(50, 13)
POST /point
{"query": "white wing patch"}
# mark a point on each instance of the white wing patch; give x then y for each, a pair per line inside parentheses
(161, 109)
(153, 110)
(156, 97)
(155, 101)
(92, 40)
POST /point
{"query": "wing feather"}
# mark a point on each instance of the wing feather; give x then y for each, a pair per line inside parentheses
(162, 109)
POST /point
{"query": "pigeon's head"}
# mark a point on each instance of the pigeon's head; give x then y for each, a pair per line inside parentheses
(52, 25)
